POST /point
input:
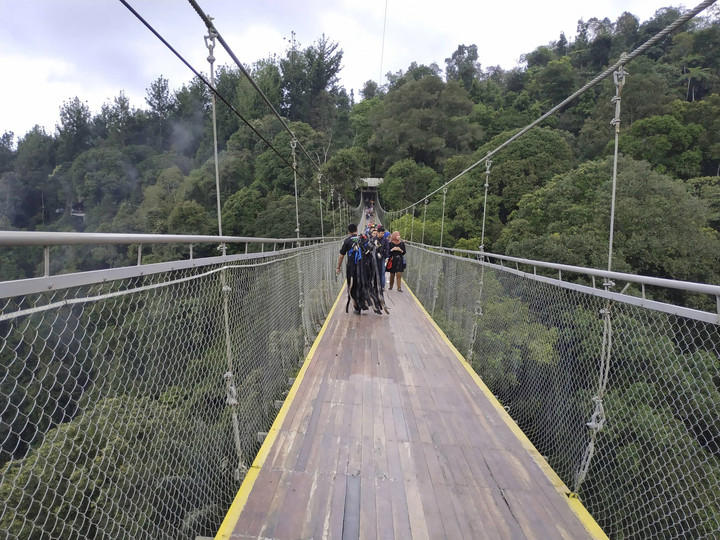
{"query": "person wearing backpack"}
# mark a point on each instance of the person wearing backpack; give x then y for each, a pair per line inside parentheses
(351, 248)
(396, 260)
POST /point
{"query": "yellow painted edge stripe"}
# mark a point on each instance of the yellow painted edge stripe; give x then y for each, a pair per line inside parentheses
(573, 501)
(236, 508)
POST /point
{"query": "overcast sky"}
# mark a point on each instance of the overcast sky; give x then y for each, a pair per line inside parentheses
(53, 50)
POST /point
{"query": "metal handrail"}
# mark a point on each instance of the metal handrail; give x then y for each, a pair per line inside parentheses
(619, 276)
(44, 238)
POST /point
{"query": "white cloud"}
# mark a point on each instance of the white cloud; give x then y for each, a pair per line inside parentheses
(252, 44)
(94, 50)
(36, 95)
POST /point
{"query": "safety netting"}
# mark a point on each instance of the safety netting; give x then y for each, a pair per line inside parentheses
(132, 408)
(620, 394)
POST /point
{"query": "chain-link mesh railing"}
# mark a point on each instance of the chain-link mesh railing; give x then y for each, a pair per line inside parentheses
(623, 401)
(125, 411)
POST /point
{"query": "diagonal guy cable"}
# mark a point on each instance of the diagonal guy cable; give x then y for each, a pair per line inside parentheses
(227, 48)
(624, 59)
(204, 80)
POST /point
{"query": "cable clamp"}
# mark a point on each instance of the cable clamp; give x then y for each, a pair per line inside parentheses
(231, 390)
(597, 420)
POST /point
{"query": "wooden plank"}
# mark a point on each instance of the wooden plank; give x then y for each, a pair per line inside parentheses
(254, 515)
(384, 509)
(389, 437)
(293, 514)
(416, 515)
(368, 511)
(351, 509)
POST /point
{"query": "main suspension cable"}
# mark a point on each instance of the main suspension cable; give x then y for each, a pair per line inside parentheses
(204, 80)
(624, 59)
(211, 27)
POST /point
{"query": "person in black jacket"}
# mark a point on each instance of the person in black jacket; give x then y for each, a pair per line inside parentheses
(383, 251)
(396, 259)
(361, 279)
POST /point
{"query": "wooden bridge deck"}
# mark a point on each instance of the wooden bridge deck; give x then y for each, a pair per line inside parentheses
(386, 434)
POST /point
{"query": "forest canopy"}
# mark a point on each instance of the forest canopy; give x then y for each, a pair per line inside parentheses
(149, 170)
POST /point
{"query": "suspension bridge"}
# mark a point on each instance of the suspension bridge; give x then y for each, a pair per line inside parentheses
(231, 395)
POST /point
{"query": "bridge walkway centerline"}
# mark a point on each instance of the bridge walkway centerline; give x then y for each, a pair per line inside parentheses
(387, 434)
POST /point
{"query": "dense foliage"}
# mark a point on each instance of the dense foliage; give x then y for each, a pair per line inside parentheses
(149, 170)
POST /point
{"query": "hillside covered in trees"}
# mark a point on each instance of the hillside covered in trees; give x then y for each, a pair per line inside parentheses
(150, 170)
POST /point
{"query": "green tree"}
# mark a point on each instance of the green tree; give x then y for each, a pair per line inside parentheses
(554, 82)
(102, 178)
(369, 90)
(707, 188)
(310, 82)
(463, 66)
(568, 221)
(74, 129)
(539, 57)
(33, 198)
(405, 183)
(344, 169)
(162, 104)
(425, 120)
(666, 143)
(241, 210)
(190, 119)
(188, 217)
(705, 113)
(7, 152)
(523, 167)
(159, 200)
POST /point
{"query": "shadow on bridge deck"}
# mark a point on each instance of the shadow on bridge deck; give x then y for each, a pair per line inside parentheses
(387, 434)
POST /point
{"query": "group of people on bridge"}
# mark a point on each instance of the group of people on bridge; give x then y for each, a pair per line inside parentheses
(370, 255)
(369, 209)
